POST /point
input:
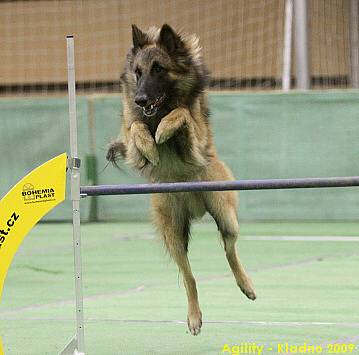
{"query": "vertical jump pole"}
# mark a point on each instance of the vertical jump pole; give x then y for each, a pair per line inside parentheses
(76, 346)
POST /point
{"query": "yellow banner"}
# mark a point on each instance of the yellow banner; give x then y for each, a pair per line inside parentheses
(25, 204)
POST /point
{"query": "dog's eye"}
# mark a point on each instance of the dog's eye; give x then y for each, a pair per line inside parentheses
(138, 73)
(157, 68)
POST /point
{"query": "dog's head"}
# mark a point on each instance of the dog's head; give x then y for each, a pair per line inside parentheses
(165, 70)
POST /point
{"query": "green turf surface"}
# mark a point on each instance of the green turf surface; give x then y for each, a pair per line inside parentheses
(135, 302)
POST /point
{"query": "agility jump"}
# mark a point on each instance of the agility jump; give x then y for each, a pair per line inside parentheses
(44, 188)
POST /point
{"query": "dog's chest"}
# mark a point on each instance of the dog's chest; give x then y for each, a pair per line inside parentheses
(173, 163)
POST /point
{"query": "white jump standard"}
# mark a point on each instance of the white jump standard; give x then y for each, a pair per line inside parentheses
(77, 344)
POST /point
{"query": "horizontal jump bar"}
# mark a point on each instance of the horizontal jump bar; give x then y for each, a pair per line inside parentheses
(130, 189)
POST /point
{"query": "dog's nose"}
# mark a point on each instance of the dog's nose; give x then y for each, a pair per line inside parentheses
(141, 100)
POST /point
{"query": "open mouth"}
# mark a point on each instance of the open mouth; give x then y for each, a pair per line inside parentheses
(152, 109)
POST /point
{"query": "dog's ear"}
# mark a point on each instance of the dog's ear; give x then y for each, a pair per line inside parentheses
(139, 38)
(170, 40)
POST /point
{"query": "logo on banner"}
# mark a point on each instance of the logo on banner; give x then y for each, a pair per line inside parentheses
(31, 194)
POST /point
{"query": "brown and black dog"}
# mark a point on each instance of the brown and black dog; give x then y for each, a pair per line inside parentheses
(166, 136)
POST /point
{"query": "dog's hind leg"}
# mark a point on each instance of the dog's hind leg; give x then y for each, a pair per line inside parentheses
(174, 227)
(221, 205)
(229, 231)
(194, 316)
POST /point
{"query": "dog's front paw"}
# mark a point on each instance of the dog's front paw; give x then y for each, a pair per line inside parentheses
(194, 321)
(115, 149)
(170, 124)
(163, 134)
(111, 154)
(152, 155)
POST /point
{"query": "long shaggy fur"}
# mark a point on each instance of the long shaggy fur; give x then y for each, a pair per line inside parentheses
(166, 136)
